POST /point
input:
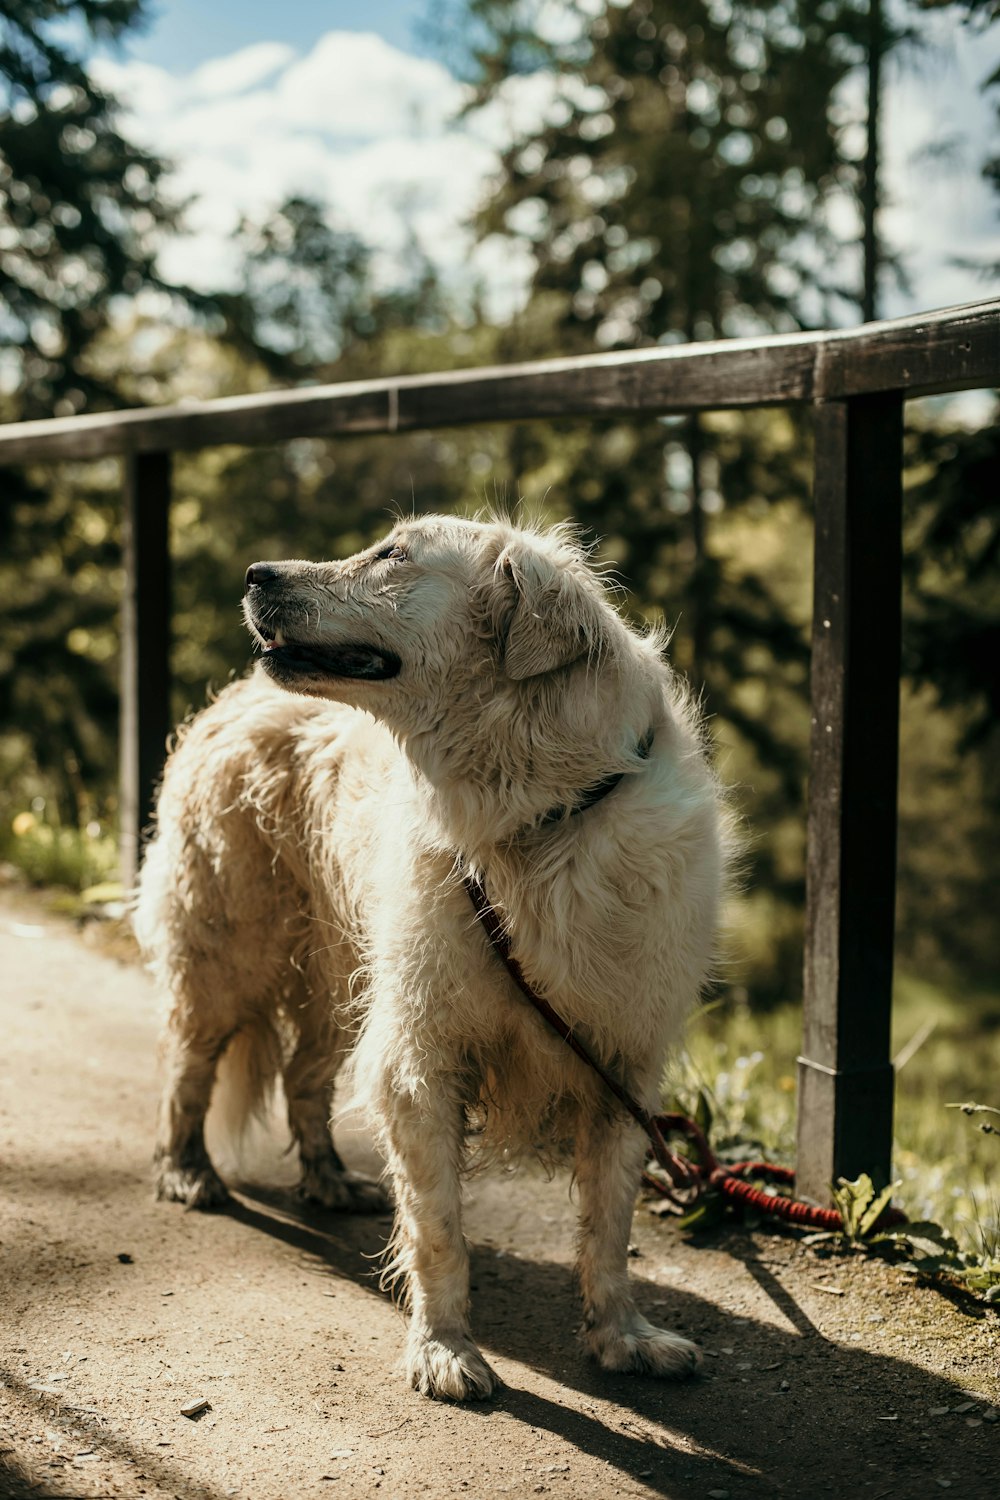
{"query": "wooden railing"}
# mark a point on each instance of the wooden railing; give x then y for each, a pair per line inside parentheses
(856, 382)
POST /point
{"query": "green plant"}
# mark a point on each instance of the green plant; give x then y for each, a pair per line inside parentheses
(860, 1207)
(53, 854)
(928, 1247)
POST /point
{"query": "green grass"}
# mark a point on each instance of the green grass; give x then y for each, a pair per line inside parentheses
(950, 1169)
(50, 853)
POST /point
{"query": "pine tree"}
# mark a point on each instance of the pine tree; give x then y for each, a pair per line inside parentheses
(683, 185)
(684, 188)
(80, 205)
(952, 634)
(681, 190)
(80, 209)
(308, 295)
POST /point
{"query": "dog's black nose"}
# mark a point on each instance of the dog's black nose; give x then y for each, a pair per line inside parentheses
(260, 573)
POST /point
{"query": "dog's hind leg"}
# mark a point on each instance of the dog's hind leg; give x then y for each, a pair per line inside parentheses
(609, 1155)
(424, 1138)
(183, 1170)
(309, 1079)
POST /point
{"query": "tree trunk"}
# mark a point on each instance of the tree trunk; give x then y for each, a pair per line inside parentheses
(697, 601)
(869, 181)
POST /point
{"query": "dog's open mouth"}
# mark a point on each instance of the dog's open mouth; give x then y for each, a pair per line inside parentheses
(286, 658)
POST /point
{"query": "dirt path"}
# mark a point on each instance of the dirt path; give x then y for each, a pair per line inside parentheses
(115, 1311)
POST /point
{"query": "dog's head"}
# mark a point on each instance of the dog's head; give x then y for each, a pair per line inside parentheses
(448, 622)
(405, 605)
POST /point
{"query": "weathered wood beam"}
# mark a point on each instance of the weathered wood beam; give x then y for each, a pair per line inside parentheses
(845, 1075)
(145, 719)
(955, 349)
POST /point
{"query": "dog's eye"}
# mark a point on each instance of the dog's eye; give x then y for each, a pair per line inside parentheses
(392, 553)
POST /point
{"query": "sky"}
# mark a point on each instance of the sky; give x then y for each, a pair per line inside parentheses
(185, 33)
(253, 101)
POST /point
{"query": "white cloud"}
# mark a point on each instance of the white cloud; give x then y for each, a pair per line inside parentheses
(144, 88)
(356, 85)
(355, 122)
(241, 70)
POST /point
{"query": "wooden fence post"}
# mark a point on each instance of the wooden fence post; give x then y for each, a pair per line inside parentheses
(845, 1072)
(145, 719)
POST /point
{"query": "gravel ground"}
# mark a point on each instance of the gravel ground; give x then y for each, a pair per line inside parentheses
(823, 1377)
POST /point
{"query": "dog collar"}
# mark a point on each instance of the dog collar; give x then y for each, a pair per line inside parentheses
(600, 789)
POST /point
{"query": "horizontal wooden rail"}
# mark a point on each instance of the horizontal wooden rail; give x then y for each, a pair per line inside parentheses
(955, 349)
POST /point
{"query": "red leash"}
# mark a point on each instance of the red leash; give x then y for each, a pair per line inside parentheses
(689, 1179)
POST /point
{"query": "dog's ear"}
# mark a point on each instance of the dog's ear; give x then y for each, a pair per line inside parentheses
(554, 618)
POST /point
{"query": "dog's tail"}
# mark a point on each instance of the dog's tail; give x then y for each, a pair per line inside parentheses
(245, 1082)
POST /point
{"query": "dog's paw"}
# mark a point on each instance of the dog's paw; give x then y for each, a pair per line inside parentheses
(196, 1187)
(639, 1348)
(348, 1192)
(450, 1370)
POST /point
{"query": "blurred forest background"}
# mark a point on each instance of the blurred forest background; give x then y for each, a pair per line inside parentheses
(688, 184)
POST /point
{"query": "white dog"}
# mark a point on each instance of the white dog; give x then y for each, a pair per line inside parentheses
(463, 698)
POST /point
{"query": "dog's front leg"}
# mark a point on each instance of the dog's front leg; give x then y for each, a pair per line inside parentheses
(423, 1134)
(609, 1155)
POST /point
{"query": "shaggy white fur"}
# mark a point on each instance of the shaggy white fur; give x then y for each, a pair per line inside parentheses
(450, 688)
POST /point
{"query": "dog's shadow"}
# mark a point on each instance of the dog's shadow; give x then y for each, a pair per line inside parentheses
(739, 1429)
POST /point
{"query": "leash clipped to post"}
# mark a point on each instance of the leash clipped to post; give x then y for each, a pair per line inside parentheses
(690, 1177)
